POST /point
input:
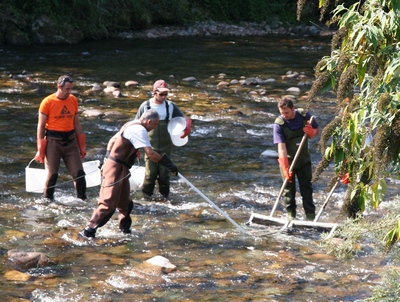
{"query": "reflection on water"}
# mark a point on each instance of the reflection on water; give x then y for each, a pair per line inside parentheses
(232, 127)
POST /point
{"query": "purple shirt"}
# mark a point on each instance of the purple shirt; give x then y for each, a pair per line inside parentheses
(293, 124)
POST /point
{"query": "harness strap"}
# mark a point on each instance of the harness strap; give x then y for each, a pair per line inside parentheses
(120, 161)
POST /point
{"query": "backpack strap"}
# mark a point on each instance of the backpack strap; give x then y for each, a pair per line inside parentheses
(280, 121)
(167, 109)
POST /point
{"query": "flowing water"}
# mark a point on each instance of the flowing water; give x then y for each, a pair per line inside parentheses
(232, 126)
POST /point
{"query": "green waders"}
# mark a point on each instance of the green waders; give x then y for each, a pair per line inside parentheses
(161, 142)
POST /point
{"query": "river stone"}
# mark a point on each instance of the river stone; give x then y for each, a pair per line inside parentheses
(250, 81)
(131, 84)
(293, 90)
(15, 275)
(164, 263)
(110, 89)
(222, 84)
(269, 153)
(115, 115)
(93, 113)
(29, 259)
(269, 81)
(91, 101)
(111, 84)
(96, 87)
(189, 79)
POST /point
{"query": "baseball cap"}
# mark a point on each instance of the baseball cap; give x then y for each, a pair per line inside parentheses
(160, 86)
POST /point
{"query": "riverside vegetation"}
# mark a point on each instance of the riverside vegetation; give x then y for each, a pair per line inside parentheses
(69, 22)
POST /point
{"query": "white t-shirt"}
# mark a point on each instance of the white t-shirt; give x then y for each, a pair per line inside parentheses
(137, 135)
(161, 109)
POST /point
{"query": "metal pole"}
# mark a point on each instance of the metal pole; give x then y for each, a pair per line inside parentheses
(213, 204)
(326, 201)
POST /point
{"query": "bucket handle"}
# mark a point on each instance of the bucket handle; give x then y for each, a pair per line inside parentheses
(33, 159)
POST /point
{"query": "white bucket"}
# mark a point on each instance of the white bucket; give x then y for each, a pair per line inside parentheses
(93, 173)
(176, 126)
(137, 177)
(35, 179)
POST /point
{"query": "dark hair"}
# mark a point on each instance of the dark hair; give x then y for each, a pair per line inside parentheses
(285, 102)
(64, 78)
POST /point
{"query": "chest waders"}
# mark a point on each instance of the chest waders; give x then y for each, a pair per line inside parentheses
(161, 142)
(302, 170)
(63, 145)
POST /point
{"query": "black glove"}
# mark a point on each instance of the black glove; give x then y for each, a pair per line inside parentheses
(165, 161)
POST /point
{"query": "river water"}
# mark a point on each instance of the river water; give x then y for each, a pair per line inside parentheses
(232, 126)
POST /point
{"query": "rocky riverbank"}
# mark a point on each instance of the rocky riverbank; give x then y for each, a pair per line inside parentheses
(212, 28)
(44, 32)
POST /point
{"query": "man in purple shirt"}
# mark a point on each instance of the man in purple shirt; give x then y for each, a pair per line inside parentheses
(289, 129)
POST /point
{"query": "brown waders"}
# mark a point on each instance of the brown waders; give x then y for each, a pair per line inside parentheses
(68, 150)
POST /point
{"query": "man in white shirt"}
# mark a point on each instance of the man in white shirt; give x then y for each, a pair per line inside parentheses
(115, 187)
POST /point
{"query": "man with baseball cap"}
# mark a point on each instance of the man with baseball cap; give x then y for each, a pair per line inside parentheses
(160, 139)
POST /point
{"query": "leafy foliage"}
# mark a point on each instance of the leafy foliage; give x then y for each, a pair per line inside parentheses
(363, 69)
(98, 18)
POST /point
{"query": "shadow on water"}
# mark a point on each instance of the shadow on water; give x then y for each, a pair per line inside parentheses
(232, 126)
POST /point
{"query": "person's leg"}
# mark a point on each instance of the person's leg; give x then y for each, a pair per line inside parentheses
(164, 181)
(110, 192)
(289, 198)
(306, 190)
(150, 177)
(125, 207)
(52, 164)
(73, 162)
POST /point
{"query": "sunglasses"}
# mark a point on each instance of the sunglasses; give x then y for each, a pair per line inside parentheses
(63, 80)
(163, 94)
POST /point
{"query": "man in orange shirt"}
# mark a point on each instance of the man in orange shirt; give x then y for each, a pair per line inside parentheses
(60, 135)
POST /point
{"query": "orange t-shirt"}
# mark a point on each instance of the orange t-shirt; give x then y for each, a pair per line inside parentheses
(60, 113)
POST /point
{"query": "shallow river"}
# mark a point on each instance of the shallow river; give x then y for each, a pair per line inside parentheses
(232, 126)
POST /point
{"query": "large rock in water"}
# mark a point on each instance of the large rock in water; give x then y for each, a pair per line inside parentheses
(164, 263)
(28, 260)
(93, 113)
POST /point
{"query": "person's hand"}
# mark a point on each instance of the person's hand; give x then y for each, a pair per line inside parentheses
(284, 164)
(310, 131)
(345, 179)
(41, 150)
(188, 128)
(173, 168)
(81, 140)
(165, 161)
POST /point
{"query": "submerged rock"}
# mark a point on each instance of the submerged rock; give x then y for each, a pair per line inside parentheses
(29, 259)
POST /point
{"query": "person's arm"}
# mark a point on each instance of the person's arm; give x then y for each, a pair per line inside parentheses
(161, 159)
(152, 155)
(282, 151)
(284, 162)
(41, 141)
(80, 136)
(41, 125)
(77, 125)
